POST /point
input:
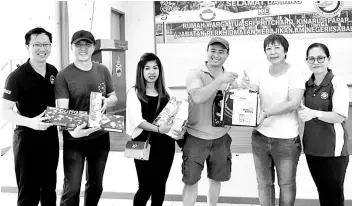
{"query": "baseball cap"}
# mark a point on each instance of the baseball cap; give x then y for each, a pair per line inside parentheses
(82, 35)
(219, 40)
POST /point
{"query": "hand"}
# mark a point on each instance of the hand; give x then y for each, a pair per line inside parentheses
(262, 116)
(245, 80)
(164, 128)
(179, 133)
(37, 123)
(306, 113)
(80, 132)
(105, 105)
(228, 77)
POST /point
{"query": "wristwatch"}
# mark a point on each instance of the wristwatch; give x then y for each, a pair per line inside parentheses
(318, 114)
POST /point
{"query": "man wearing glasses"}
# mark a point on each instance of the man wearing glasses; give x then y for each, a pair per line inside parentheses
(72, 90)
(35, 143)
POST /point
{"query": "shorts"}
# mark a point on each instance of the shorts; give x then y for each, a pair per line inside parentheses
(216, 153)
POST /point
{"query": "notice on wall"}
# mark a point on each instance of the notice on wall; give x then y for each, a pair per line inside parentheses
(189, 21)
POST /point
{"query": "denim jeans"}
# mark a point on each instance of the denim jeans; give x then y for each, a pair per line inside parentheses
(75, 153)
(282, 154)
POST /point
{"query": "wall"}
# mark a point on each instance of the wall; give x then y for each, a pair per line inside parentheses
(139, 34)
(16, 20)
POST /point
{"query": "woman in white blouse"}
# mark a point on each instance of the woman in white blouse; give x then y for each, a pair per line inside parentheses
(144, 102)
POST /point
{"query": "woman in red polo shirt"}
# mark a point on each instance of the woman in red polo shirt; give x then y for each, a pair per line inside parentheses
(325, 138)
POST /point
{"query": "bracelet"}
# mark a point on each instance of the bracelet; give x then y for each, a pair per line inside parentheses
(158, 129)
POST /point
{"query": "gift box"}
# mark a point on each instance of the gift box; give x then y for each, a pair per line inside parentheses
(112, 123)
(70, 119)
(95, 106)
(167, 115)
(179, 120)
(236, 107)
(67, 118)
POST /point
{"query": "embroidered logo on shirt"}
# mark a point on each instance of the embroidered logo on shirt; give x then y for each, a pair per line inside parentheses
(52, 79)
(102, 88)
(7, 91)
(324, 95)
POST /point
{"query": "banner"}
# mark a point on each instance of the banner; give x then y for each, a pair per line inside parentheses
(190, 21)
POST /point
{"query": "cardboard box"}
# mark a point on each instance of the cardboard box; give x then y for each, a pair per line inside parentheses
(168, 113)
(65, 117)
(70, 119)
(236, 107)
(95, 106)
(180, 119)
(112, 123)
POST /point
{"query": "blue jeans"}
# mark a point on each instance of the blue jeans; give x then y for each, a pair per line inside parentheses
(283, 154)
(75, 153)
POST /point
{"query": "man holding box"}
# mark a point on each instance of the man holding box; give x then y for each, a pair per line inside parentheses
(73, 88)
(35, 143)
(202, 141)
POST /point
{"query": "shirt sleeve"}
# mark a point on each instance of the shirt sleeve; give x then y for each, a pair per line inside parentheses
(109, 83)
(296, 79)
(61, 88)
(11, 89)
(194, 80)
(340, 97)
(133, 114)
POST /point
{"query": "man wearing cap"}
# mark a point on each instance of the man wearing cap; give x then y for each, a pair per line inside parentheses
(72, 91)
(35, 143)
(204, 143)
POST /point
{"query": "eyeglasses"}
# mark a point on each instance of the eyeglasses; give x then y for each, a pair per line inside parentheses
(320, 60)
(37, 45)
(83, 45)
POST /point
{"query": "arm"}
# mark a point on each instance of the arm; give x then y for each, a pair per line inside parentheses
(292, 103)
(340, 102)
(135, 123)
(200, 93)
(110, 101)
(295, 94)
(35, 123)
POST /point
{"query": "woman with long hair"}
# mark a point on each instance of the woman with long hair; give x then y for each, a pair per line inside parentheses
(325, 138)
(144, 102)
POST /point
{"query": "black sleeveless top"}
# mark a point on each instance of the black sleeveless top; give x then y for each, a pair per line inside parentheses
(158, 141)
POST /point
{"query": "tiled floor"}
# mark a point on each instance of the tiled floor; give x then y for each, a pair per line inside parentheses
(120, 182)
(9, 199)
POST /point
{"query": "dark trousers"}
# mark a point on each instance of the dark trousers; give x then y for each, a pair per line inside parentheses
(36, 158)
(328, 174)
(95, 152)
(153, 174)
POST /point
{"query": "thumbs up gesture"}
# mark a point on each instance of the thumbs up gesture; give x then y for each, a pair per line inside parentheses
(306, 113)
(245, 80)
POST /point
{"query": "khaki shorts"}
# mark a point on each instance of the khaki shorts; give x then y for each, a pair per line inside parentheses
(216, 153)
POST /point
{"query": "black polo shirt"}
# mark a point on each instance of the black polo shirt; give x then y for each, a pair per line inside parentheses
(322, 138)
(31, 92)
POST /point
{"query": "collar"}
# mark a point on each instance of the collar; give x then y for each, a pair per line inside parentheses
(327, 79)
(204, 68)
(29, 67)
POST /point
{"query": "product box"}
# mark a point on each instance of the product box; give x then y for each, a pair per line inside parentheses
(65, 117)
(236, 107)
(95, 106)
(180, 119)
(70, 119)
(112, 123)
(168, 113)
